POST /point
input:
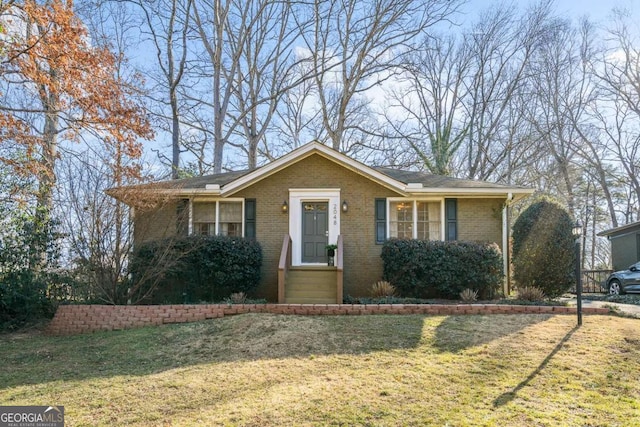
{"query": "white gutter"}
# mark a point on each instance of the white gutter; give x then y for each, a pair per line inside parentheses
(478, 191)
(506, 255)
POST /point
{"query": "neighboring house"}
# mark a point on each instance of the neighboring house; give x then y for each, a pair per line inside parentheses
(314, 196)
(625, 245)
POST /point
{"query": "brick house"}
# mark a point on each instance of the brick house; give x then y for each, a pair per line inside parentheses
(314, 196)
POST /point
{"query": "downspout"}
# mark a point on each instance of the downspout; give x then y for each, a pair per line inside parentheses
(506, 253)
(190, 231)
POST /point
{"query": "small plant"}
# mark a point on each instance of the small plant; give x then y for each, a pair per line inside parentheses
(331, 247)
(238, 298)
(469, 295)
(382, 289)
(530, 293)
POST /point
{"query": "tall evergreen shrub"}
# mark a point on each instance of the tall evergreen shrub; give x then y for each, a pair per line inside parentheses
(543, 249)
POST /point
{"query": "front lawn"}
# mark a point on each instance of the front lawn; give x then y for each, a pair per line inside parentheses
(262, 369)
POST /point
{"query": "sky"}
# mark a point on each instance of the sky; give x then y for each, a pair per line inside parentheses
(596, 10)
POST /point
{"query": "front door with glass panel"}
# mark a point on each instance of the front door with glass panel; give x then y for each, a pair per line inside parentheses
(315, 231)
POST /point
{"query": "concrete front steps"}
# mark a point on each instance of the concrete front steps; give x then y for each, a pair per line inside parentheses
(311, 285)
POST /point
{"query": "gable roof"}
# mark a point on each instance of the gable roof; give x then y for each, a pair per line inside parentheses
(623, 229)
(401, 181)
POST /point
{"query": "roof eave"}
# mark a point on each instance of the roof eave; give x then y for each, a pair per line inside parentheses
(516, 193)
(123, 195)
(620, 229)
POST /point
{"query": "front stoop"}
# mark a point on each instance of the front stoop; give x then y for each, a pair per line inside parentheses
(311, 285)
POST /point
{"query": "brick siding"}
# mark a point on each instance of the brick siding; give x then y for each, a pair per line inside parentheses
(478, 220)
(79, 319)
(362, 263)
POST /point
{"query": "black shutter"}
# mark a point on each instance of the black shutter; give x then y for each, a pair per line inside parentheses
(250, 218)
(451, 224)
(381, 221)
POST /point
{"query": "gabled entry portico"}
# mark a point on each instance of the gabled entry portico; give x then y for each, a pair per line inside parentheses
(309, 209)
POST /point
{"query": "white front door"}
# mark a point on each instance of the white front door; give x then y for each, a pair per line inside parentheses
(306, 230)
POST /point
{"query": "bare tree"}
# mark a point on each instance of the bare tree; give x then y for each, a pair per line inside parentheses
(212, 20)
(356, 46)
(502, 44)
(619, 77)
(167, 26)
(433, 119)
(267, 69)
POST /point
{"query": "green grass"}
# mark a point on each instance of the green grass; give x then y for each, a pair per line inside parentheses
(261, 370)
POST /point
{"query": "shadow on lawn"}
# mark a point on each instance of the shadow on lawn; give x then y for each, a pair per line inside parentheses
(457, 333)
(507, 397)
(39, 359)
(250, 337)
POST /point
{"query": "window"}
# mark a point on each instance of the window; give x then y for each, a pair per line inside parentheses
(222, 218)
(428, 220)
(415, 219)
(204, 218)
(401, 220)
(230, 219)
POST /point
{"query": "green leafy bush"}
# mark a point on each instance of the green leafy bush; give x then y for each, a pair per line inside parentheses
(193, 269)
(29, 267)
(428, 269)
(543, 249)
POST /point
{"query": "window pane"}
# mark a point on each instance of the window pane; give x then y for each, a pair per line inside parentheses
(204, 218)
(204, 212)
(204, 228)
(401, 220)
(428, 220)
(231, 218)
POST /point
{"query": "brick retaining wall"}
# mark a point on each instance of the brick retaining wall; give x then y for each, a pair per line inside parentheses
(78, 319)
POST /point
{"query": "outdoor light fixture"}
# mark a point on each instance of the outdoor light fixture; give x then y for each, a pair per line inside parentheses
(345, 207)
(285, 207)
(576, 230)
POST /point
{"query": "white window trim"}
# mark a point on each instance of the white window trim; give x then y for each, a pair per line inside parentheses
(299, 195)
(217, 202)
(415, 201)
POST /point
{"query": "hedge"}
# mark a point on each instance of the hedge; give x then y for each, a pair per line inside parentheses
(434, 269)
(194, 269)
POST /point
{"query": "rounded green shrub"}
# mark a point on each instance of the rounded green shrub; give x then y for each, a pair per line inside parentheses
(543, 249)
(427, 269)
(194, 269)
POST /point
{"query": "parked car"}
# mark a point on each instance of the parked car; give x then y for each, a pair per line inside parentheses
(621, 282)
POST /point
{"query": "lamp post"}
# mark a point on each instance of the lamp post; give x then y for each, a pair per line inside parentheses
(577, 233)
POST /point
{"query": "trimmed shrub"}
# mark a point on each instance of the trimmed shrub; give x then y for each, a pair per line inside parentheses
(194, 268)
(543, 249)
(428, 269)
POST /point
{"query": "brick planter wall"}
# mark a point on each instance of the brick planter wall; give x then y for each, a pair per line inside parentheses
(78, 319)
